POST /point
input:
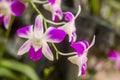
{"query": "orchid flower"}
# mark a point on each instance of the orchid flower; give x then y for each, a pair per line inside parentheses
(8, 8)
(54, 6)
(69, 27)
(80, 58)
(116, 57)
(37, 39)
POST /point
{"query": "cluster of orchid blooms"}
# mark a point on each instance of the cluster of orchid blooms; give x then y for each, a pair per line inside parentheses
(38, 38)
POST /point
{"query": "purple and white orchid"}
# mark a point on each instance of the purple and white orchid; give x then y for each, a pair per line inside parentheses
(69, 27)
(116, 57)
(37, 39)
(8, 8)
(80, 58)
(54, 6)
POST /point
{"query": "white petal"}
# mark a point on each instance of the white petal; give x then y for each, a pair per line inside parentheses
(24, 48)
(92, 43)
(47, 52)
(7, 21)
(79, 10)
(25, 32)
(38, 28)
(73, 59)
(48, 7)
(79, 73)
(69, 28)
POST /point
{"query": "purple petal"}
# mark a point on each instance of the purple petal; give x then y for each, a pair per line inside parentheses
(35, 55)
(25, 32)
(57, 15)
(84, 66)
(56, 18)
(113, 55)
(17, 8)
(1, 19)
(47, 52)
(55, 35)
(73, 37)
(38, 29)
(69, 16)
(79, 47)
(24, 48)
(92, 43)
(86, 43)
(52, 2)
(7, 21)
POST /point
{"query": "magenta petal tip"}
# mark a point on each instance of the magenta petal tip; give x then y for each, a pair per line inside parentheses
(17, 8)
(78, 47)
(55, 35)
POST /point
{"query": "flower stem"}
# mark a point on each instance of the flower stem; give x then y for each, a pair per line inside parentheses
(45, 24)
(55, 50)
(67, 54)
(7, 33)
(34, 6)
(40, 2)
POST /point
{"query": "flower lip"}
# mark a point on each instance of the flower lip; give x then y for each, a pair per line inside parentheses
(52, 2)
(57, 15)
(56, 18)
(35, 55)
(84, 66)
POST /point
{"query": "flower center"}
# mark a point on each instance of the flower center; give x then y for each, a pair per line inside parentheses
(4, 8)
(37, 42)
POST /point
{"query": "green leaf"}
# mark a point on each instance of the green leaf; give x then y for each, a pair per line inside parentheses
(47, 72)
(95, 6)
(4, 72)
(20, 67)
(114, 4)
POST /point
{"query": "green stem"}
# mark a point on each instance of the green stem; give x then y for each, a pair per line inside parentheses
(7, 33)
(10, 26)
(55, 50)
(45, 25)
(34, 6)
